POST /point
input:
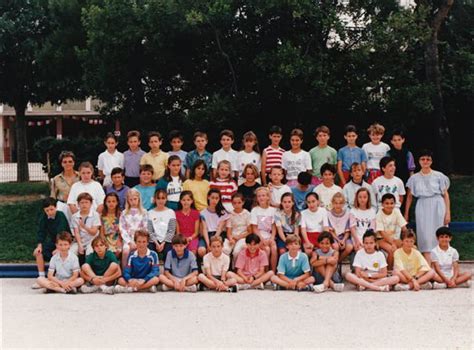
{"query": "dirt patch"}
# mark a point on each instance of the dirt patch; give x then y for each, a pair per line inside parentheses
(13, 199)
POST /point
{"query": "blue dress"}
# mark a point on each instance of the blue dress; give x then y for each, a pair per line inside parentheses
(430, 207)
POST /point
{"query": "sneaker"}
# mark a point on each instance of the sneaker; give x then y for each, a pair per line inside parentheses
(360, 288)
(385, 288)
(401, 287)
(72, 291)
(276, 286)
(202, 287)
(437, 285)
(261, 286)
(121, 289)
(319, 288)
(107, 289)
(35, 286)
(152, 289)
(85, 289)
(308, 288)
(233, 289)
(165, 288)
(191, 289)
(47, 291)
(426, 286)
(244, 286)
(466, 284)
(338, 287)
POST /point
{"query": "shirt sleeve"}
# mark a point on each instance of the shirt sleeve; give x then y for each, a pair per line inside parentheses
(411, 162)
(214, 161)
(382, 260)
(194, 265)
(253, 217)
(99, 194)
(100, 162)
(155, 267)
(357, 260)
(206, 264)
(167, 264)
(397, 261)
(455, 255)
(123, 226)
(307, 159)
(284, 164)
(95, 219)
(401, 188)
(52, 264)
(401, 220)
(363, 156)
(112, 257)
(171, 230)
(240, 262)
(281, 269)
(75, 264)
(72, 197)
(305, 263)
(379, 226)
(423, 263)
(339, 155)
(434, 255)
(325, 217)
(90, 259)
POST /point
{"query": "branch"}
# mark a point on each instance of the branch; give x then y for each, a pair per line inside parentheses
(441, 15)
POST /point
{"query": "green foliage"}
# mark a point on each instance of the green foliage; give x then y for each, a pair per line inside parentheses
(83, 149)
(24, 188)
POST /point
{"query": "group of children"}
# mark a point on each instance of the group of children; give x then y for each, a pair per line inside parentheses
(236, 220)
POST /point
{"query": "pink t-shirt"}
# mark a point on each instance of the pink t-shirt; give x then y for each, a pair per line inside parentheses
(251, 264)
(187, 222)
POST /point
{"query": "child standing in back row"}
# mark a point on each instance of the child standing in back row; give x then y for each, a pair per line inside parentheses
(132, 158)
(375, 150)
(349, 154)
(109, 159)
(272, 155)
(225, 153)
(295, 160)
(200, 153)
(322, 153)
(250, 154)
(156, 157)
(403, 157)
(176, 142)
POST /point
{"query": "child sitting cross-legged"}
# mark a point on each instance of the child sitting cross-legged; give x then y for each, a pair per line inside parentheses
(251, 265)
(293, 271)
(63, 273)
(216, 265)
(445, 261)
(142, 270)
(181, 268)
(325, 263)
(370, 267)
(410, 266)
(101, 269)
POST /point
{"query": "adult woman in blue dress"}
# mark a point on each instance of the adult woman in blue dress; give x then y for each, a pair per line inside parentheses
(432, 210)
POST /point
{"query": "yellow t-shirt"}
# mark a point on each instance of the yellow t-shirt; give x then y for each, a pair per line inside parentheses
(158, 161)
(412, 263)
(199, 190)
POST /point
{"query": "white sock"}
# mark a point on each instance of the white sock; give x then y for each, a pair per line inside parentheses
(41, 274)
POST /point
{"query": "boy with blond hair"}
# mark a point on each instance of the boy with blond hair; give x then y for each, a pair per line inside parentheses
(375, 150)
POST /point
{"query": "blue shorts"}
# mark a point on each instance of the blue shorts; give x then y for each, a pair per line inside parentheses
(48, 249)
(336, 277)
(163, 253)
(280, 244)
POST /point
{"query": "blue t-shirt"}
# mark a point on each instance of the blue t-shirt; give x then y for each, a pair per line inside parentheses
(293, 267)
(146, 194)
(349, 155)
(142, 267)
(122, 194)
(300, 197)
(180, 267)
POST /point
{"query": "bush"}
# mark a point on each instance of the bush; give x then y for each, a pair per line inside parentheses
(23, 188)
(83, 149)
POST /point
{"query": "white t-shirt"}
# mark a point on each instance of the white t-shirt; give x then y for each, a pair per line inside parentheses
(174, 189)
(220, 155)
(295, 163)
(325, 194)
(375, 153)
(91, 220)
(445, 259)
(314, 221)
(216, 265)
(160, 222)
(390, 223)
(370, 262)
(107, 161)
(362, 220)
(264, 219)
(244, 158)
(277, 192)
(382, 185)
(93, 188)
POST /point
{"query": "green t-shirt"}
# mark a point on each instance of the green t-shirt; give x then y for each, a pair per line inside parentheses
(98, 265)
(319, 156)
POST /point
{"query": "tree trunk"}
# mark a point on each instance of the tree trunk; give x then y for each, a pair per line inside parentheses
(442, 136)
(21, 144)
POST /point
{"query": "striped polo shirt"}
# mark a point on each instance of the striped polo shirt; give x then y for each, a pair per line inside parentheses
(227, 189)
(273, 157)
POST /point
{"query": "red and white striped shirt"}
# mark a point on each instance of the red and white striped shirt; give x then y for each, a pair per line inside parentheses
(273, 157)
(227, 189)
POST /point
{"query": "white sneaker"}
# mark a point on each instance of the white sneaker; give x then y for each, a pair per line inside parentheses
(191, 289)
(426, 286)
(35, 286)
(466, 284)
(121, 289)
(152, 289)
(437, 285)
(261, 286)
(244, 286)
(360, 288)
(401, 287)
(385, 288)
(107, 289)
(165, 288)
(85, 289)
(338, 287)
(319, 288)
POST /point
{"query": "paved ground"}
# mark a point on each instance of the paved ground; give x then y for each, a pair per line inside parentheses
(248, 319)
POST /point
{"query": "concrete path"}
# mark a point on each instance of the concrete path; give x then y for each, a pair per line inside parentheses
(248, 319)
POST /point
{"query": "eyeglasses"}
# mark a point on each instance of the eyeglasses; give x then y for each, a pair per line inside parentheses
(67, 161)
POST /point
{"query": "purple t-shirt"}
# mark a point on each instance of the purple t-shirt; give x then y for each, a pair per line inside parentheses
(132, 162)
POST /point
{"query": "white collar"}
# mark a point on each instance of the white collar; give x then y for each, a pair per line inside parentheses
(293, 259)
(147, 252)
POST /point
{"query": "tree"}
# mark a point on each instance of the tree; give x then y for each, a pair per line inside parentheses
(37, 59)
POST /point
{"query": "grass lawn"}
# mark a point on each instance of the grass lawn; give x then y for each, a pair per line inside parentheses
(20, 207)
